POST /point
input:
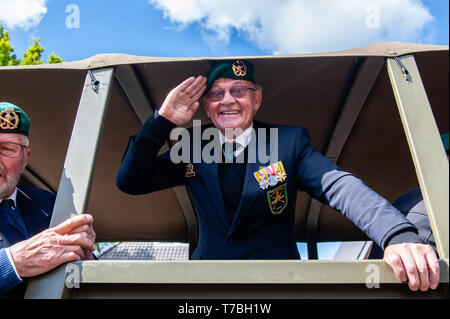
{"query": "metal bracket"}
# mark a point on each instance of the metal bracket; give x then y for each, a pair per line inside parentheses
(94, 82)
(404, 70)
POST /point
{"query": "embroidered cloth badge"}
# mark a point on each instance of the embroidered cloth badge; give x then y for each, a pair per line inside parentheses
(277, 199)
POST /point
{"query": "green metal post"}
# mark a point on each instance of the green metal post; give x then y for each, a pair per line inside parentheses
(75, 183)
(425, 144)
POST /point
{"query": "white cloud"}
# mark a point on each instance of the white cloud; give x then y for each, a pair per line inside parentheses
(22, 13)
(302, 26)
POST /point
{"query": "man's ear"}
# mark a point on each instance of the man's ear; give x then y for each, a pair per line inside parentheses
(27, 155)
(258, 99)
(206, 106)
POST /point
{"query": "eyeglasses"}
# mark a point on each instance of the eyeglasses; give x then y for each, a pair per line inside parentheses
(236, 91)
(11, 149)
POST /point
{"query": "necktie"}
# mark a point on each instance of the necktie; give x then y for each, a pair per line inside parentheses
(231, 178)
(8, 203)
(229, 148)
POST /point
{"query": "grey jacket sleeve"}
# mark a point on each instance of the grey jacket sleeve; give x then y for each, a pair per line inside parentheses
(343, 191)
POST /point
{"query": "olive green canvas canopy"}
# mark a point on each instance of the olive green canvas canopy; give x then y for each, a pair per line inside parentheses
(344, 99)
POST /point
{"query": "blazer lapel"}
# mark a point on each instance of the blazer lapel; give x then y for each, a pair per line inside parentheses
(8, 228)
(211, 178)
(34, 217)
(251, 185)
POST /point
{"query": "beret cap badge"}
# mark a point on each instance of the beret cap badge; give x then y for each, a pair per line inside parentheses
(239, 68)
(9, 120)
(13, 119)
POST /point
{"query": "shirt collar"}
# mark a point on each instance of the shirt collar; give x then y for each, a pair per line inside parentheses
(243, 139)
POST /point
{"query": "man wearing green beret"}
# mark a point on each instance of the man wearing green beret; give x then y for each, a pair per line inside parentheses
(27, 247)
(245, 204)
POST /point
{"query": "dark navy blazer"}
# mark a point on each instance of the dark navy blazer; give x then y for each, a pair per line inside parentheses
(256, 232)
(36, 207)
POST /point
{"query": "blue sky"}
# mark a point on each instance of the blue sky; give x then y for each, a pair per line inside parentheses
(193, 28)
(196, 28)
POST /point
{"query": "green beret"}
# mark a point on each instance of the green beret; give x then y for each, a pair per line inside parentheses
(13, 119)
(444, 138)
(232, 69)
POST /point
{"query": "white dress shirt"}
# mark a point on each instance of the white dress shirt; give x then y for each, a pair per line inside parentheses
(243, 140)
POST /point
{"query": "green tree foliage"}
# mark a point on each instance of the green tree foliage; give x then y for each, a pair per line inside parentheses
(33, 55)
(54, 59)
(6, 50)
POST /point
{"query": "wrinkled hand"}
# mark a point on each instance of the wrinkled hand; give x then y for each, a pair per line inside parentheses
(71, 240)
(83, 230)
(415, 263)
(181, 103)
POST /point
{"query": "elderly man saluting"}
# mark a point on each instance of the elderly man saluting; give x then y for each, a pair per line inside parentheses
(246, 208)
(27, 247)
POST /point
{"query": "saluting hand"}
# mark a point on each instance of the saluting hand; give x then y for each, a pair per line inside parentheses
(71, 240)
(181, 103)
